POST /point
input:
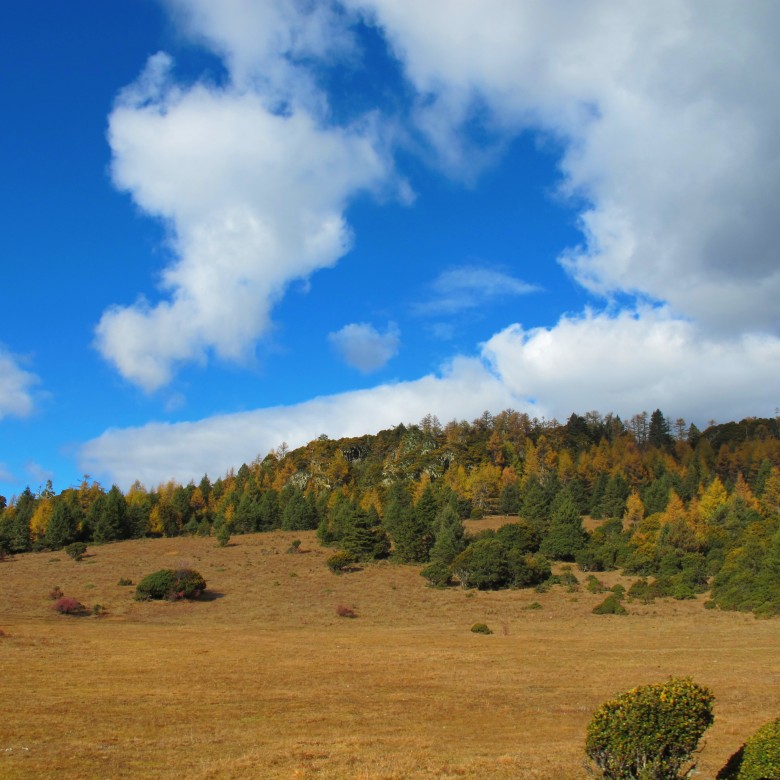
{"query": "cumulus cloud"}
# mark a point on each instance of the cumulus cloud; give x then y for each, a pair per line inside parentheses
(363, 347)
(468, 287)
(635, 359)
(16, 386)
(669, 121)
(623, 363)
(253, 198)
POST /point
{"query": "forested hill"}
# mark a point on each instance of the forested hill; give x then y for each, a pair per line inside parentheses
(679, 504)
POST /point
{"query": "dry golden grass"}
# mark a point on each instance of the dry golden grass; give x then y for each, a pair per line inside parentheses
(264, 680)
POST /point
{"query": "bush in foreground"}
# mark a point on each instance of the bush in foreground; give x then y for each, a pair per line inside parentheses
(171, 584)
(649, 732)
(758, 758)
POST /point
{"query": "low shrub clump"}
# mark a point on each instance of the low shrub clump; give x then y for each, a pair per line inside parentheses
(341, 562)
(171, 584)
(67, 605)
(610, 606)
(123, 581)
(346, 612)
(76, 550)
(649, 732)
(758, 758)
(480, 628)
(56, 593)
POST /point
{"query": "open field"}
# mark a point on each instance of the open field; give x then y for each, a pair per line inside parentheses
(264, 680)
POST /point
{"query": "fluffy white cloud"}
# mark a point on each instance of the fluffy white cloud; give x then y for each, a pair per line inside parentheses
(670, 125)
(363, 347)
(253, 198)
(467, 287)
(16, 385)
(634, 360)
(625, 364)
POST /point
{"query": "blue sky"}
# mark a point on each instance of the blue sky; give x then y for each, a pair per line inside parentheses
(229, 225)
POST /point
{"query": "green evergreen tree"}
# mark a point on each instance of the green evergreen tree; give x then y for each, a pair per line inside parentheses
(613, 503)
(19, 539)
(269, 511)
(110, 520)
(450, 536)
(509, 500)
(566, 535)
(535, 506)
(62, 527)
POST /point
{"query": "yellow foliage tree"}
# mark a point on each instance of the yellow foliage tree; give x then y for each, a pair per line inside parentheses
(711, 502)
(39, 522)
(635, 511)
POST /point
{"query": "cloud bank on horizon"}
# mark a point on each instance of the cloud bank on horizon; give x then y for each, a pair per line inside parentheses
(667, 119)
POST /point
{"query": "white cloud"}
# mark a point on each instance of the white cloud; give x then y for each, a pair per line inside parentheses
(624, 364)
(468, 287)
(16, 384)
(363, 347)
(636, 360)
(670, 122)
(254, 199)
(262, 43)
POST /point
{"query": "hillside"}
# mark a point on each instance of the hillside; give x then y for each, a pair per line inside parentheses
(688, 511)
(263, 679)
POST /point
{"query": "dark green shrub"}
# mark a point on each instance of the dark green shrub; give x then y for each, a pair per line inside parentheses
(483, 565)
(171, 584)
(295, 547)
(526, 570)
(76, 550)
(223, 535)
(438, 574)
(649, 732)
(610, 606)
(124, 581)
(619, 591)
(520, 536)
(480, 628)
(595, 585)
(340, 562)
(758, 758)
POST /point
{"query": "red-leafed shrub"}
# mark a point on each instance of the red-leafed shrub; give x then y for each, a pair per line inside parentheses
(67, 605)
(346, 612)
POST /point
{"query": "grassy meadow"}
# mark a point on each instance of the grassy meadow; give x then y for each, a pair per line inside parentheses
(262, 678)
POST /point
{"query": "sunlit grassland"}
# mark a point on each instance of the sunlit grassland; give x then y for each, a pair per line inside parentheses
(263, 679)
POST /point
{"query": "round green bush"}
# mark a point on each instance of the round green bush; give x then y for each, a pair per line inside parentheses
(610, 606)
(171, 584)
(340, 562)
(649, 732)
(480, 628)
(758, 758)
